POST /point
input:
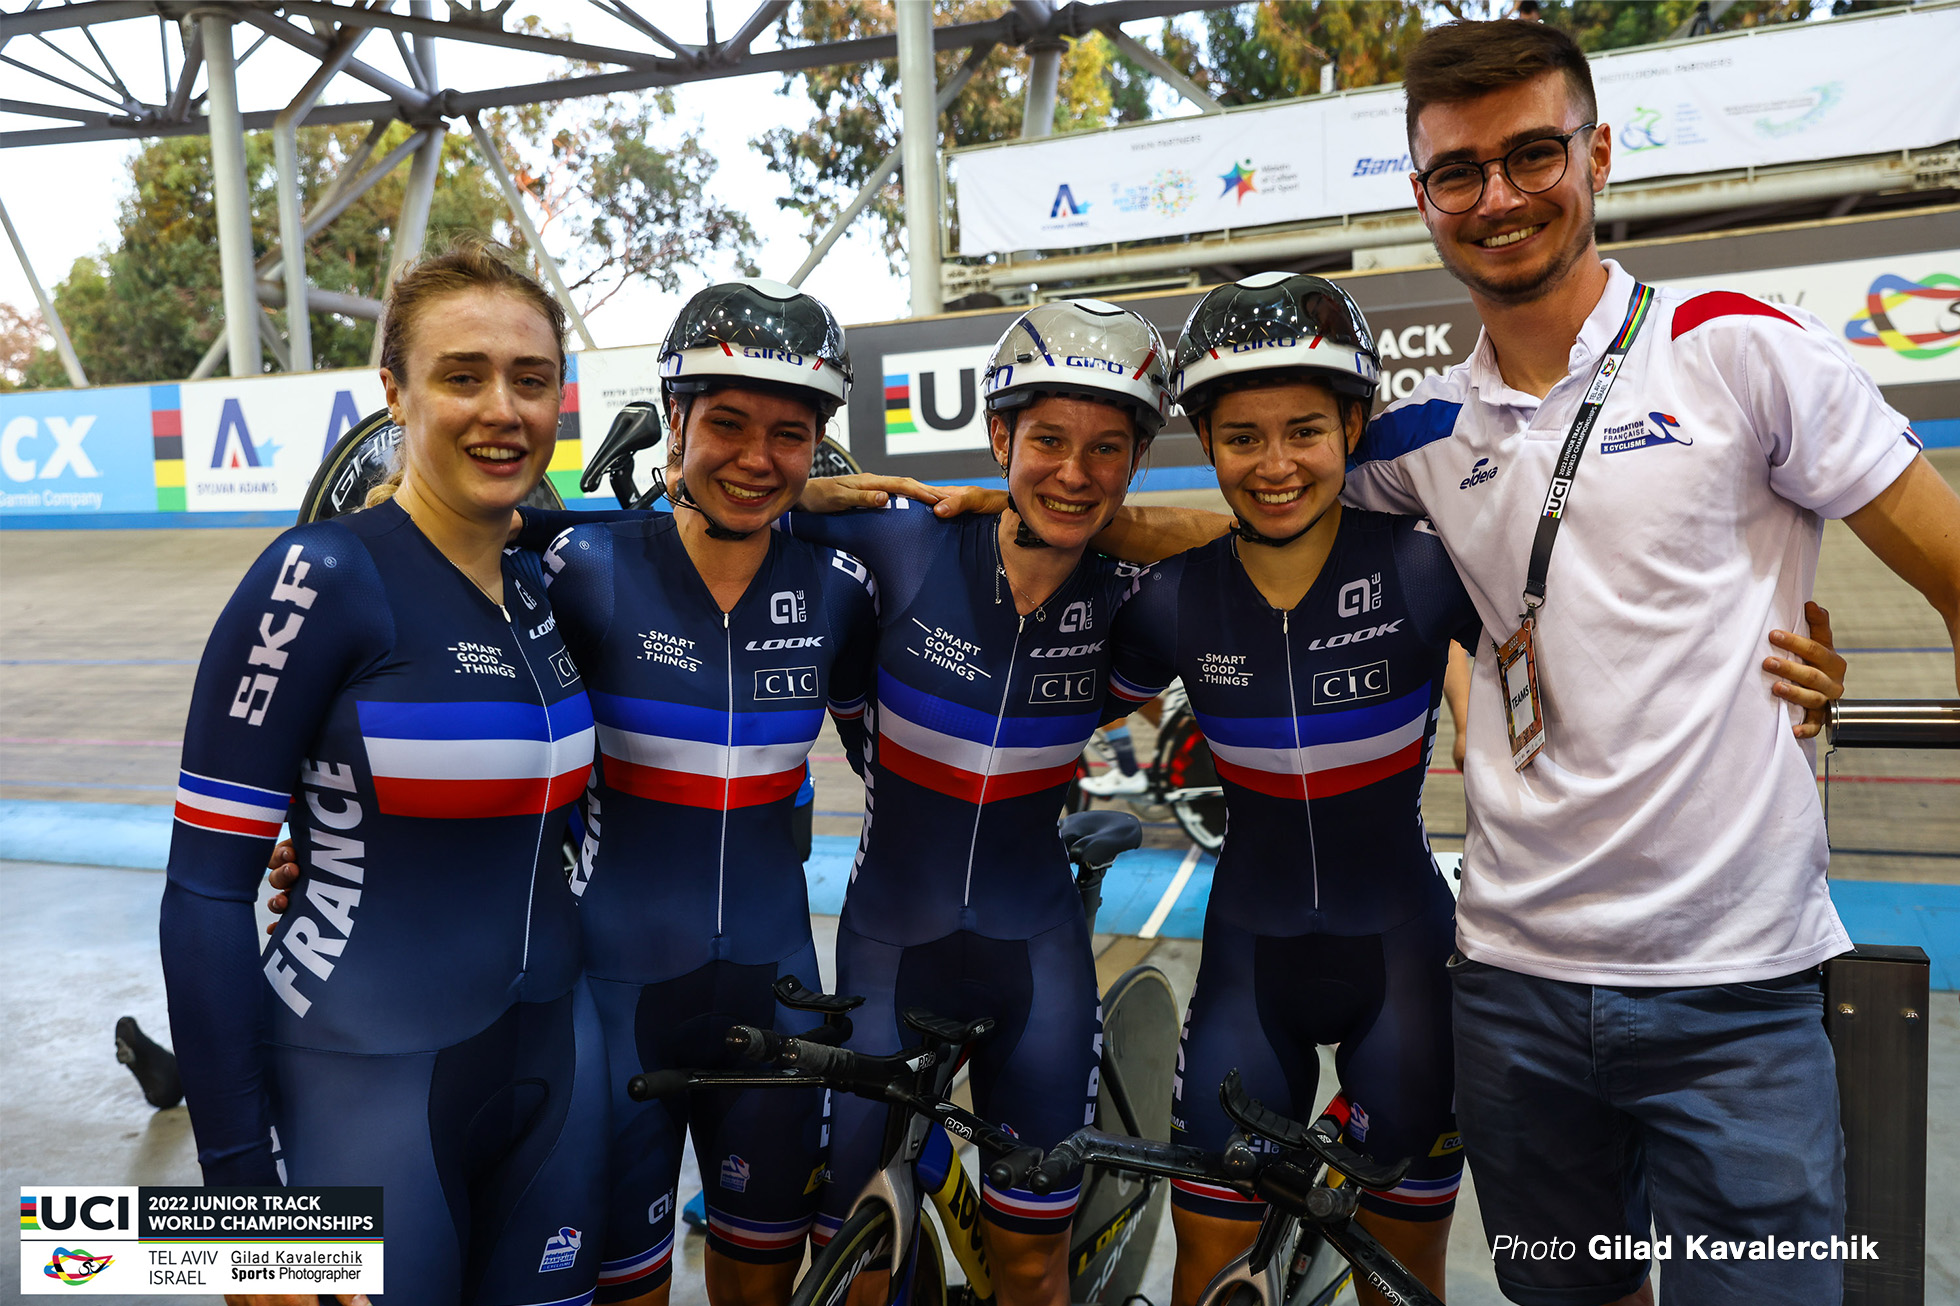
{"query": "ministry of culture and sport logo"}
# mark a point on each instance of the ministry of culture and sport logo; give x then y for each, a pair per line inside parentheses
(75, 1266)
(1932, 304)
(1238, 182)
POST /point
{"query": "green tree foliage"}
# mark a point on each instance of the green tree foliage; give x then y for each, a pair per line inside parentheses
(630, 208)
(1613, 24)
(147, 308)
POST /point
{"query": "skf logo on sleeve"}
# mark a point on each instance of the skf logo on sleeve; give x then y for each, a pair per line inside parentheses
(561, 1250)
(255, 690)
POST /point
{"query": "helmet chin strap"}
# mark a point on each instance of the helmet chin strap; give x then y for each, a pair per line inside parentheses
(1023, 537)
(1247, 532)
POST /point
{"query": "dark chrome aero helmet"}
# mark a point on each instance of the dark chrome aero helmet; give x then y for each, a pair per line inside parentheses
(1087, 349)
(760, 334)
(1269, 322)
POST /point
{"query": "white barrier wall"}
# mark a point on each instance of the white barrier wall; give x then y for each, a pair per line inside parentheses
(1765, 96)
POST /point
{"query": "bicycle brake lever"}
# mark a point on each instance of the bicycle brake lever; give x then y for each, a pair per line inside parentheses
(1255, 1118)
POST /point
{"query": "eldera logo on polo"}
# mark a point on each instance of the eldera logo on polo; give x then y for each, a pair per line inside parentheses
(1480, 471)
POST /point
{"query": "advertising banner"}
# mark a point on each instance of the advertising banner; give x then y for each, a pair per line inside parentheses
(1900, 316)
(1785, 94)
(932, 399)
(69, 451)
(252, 443)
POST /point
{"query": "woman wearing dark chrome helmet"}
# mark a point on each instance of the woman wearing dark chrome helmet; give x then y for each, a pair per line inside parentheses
(1258, 333)
(767, 341)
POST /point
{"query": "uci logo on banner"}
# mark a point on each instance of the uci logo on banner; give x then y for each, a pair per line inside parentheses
(932, 400)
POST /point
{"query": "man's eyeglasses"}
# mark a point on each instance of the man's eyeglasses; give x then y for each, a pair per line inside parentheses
(1533, 168)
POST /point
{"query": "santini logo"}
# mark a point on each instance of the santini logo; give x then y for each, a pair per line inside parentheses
(1480, 471)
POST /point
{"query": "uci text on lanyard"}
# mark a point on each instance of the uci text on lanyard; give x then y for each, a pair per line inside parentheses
(1517, 659)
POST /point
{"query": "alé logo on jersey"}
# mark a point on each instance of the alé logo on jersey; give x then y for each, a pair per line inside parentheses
(1659, 428)
(787, 608)
(1359, 596)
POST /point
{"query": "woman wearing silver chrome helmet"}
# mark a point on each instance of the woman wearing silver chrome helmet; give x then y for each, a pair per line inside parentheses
(992, 666)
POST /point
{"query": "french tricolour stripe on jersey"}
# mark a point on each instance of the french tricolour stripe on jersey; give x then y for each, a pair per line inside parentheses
(229, 808)
(756, 1235)
(1423, 1192)
(1337, 752)
(1131, 691)
(675, 753)
(974, 756)
(1024, 1205)
(449, 761)
(630, 1268)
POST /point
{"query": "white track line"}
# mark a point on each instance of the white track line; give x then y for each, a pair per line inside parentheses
(1169, 900)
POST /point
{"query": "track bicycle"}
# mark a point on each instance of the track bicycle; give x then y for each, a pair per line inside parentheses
(1118, 1214)
(1309, 1180)
(1180, 775)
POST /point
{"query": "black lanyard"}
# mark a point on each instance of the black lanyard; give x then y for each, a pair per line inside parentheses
(1575, 445)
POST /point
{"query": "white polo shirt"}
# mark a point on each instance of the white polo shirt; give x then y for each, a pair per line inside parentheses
(1670, 832)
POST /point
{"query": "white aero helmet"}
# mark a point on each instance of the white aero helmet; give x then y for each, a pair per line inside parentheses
(1274, 322)
(1085, 349)
(759, 334)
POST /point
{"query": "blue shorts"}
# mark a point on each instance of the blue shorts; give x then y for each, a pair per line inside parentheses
(490, 1153)
(1263, 1004)
(1035, 1075)
(1587, 1110)
(760, 1150)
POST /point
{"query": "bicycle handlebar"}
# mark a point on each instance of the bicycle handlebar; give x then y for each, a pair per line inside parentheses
(1322, 1139)
(1896, 723)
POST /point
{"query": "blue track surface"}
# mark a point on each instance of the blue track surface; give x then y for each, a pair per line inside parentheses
(138, 835)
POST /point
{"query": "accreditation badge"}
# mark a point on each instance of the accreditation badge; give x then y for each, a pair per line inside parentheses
(1517, 671)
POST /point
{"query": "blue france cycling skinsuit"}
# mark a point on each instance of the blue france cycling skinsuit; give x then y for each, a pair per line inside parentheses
(1328, 921)
(694, 900)
(417, 1021)
(961, 900)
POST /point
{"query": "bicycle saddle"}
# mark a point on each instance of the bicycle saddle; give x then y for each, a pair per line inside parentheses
(1095, 838)
(636, 427)
(946, 1031)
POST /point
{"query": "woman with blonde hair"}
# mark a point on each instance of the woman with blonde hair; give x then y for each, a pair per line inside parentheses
(391, 681)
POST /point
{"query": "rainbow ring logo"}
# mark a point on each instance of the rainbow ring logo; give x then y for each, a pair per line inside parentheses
(1873, 328)
(75, 1266)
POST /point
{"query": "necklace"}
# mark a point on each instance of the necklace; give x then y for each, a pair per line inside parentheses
(1040, 612)
(480, 586)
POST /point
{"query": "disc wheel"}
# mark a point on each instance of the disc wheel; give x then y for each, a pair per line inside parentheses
(864, 1243)
(833, 459)
(1117, 1221)
(1184, 762)
(363, 458)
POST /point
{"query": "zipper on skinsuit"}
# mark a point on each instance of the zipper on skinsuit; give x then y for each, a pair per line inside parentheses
(551, 772)
(1299, 752)
(1000, 718)
(727, 772)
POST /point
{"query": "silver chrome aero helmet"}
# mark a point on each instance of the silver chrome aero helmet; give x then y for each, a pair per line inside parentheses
(1084, 349)
(753, 334)
(761, 335)
(1272, 327)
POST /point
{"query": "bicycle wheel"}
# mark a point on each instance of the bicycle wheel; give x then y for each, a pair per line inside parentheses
(362, 459)
(1184, 762)
(862, 1244)
(1315, 1272)
(833, 459)
(1117, 1221)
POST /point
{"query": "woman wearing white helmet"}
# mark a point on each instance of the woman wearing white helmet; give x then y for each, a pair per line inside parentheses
(992, 667)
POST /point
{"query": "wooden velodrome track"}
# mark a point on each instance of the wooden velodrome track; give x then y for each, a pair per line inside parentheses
(98, 648)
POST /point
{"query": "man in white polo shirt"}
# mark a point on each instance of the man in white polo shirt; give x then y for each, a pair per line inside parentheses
(1644, 909)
